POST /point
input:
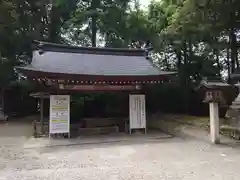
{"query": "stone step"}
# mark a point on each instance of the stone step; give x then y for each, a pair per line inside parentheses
(230, 128)
(235, 107)
(236, 102)
(98, 130)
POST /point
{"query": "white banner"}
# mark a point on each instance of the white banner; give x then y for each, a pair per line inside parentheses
(137, 112)
(59, 114)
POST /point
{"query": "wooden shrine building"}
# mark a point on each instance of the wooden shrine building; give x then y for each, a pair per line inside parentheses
(61, 69)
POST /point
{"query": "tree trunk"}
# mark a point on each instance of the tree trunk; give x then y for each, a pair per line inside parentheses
(237, 62)
(54, 25)
(232, 38)
(2, 99)
(94, 6)
(185, 63)
(94, 31)
(228, 64)
(179, 59)
(190, 49)
(185, 75)
(216, 53)
(166, 62)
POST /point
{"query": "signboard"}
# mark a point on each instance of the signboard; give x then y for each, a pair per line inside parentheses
(137, 112)
(100, 87)
(59, 114)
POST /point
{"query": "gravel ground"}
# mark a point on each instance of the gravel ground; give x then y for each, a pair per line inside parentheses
(169, 159)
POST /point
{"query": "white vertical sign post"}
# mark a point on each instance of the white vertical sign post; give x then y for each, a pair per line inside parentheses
(59, 115)
(137, 112)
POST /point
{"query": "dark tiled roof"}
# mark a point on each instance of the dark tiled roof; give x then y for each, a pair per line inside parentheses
(213, 84)
(70, 60)
(40, 95)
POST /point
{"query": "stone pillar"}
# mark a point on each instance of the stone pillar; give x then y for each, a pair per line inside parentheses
(214, 122)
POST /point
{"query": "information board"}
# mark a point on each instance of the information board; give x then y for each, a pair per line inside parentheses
(137, 111)
(59, 114)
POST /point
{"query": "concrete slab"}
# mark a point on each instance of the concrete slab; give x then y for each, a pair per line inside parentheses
(96, 139)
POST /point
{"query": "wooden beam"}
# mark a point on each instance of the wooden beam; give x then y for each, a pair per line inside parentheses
(100, 87)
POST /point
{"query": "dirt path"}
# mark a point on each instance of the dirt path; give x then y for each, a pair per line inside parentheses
(169, 159)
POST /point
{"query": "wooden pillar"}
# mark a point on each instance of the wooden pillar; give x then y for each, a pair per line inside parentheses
(214, 122)
(41, 114)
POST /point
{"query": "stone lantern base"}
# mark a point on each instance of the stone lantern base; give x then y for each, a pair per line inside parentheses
(233, 118)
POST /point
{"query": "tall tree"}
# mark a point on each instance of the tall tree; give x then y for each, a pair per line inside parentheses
(59, 12)
(98, 18)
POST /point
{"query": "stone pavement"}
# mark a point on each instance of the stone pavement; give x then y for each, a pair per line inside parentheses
(135, 159)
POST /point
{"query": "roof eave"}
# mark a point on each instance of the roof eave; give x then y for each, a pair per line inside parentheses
(40, 74)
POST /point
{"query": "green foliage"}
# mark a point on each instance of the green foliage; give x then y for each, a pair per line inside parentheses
(21, 22)
(196, 38)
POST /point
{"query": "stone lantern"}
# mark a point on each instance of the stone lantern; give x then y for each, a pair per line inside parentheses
(215, 97)
(233, 113)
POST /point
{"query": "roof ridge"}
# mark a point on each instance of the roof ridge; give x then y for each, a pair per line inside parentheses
(48, 46)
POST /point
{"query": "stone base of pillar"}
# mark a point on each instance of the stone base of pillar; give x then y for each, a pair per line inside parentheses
(216, 141)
